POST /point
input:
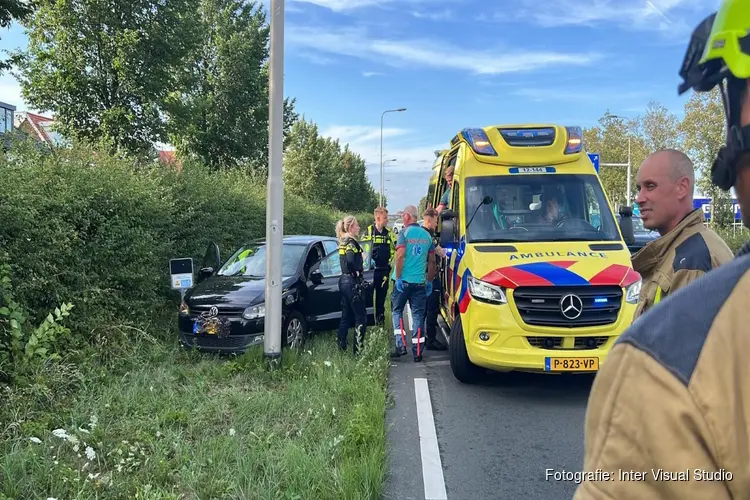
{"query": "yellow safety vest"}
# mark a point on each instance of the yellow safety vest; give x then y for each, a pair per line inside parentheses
(381, 239)
(657, 297)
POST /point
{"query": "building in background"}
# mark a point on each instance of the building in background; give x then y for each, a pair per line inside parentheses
(7, 117)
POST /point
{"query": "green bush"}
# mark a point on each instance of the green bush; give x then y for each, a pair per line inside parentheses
(734, 238)
(97, 231)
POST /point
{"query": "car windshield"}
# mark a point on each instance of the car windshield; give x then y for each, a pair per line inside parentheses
(250, 260)
(539, 207)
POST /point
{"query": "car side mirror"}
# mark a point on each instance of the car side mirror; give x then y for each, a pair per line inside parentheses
(205, 272)
(626, 225)
(316, 276)
(447, 214)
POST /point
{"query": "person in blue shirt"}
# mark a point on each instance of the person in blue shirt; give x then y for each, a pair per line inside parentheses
(415, 252)
(445, 200)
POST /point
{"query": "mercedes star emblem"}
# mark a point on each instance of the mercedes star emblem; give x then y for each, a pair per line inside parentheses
(571, 306)
(214, 311)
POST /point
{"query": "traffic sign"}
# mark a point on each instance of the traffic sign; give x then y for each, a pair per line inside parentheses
(181, 271)
(594, 157)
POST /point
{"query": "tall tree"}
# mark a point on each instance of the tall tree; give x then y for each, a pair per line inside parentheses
(610, 140)
(704, 127)
(105, 67)
(659, 128)
(219, 113)
(12, 10)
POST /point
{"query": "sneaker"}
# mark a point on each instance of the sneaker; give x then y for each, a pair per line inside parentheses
(403, 351)
(396, 353)
(417, 359)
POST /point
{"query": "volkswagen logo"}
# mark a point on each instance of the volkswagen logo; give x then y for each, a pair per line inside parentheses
(214, 311)
(571, 306)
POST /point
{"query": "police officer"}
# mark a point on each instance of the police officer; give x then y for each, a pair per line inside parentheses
(351, 284)
(673, 393)
(415, 251)
(430, 217)
(383, 250)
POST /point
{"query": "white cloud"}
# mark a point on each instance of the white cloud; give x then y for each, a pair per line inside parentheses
(368, 74)
(429, 53)
(343, 5)
(666, 16)
(407, 177)
(10, 92)
(443, 15)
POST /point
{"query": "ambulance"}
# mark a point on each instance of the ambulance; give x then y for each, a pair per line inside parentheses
(537, 274)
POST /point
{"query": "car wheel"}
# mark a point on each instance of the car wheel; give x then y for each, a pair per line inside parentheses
(295, 329)
(463, 369)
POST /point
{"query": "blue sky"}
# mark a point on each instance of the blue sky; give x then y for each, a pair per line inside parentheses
(461, 63)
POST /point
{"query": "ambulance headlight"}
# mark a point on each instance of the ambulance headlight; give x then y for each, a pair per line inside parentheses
(632, 292)
(486, 292)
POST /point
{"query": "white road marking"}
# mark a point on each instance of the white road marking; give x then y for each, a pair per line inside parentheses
(432, 467)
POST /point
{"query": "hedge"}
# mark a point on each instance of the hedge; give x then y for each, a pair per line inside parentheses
(98, 231)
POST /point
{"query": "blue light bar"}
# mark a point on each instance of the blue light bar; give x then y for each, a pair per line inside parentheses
(575, 140)
(479, 142)
(528, 137)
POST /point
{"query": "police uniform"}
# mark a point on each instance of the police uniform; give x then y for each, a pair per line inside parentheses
(433, 305)
(352, 287)
(383, 249)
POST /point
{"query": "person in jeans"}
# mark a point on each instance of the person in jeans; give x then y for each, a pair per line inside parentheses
(351, 284)
(432, 309)
(415, 251)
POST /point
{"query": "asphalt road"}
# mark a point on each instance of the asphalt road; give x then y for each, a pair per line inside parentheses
(495, 439)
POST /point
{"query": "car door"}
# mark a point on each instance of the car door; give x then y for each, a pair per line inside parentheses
(323, 308)
(369, 276)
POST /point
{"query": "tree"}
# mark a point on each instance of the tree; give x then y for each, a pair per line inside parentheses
(219, 111)
(12, 10)
(610, 140)
(659, 128)
(704, 128)
(317, 168)
(106, 67)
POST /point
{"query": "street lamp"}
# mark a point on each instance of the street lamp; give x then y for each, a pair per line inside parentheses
(628, 164)
(399, 110)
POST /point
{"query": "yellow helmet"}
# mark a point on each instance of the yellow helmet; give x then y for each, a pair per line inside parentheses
(719, 54)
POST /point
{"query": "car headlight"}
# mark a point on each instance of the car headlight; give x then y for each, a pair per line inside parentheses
(254, 312)
(184, 309)
(633, 292)
(486, 292)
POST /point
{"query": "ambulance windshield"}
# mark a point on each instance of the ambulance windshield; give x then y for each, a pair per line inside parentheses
(538, 207)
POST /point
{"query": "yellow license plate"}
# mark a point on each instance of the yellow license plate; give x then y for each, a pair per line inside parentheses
(571, 364)
(211, 329)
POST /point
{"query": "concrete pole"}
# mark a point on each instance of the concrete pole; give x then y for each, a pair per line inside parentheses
(630, 166)
(275, 196)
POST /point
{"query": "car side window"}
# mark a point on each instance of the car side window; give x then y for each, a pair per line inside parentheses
(592, 206)
(330, 246)
(330, 266)
(366, 254)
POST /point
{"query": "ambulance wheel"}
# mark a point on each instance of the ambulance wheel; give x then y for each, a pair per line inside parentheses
(463, 369)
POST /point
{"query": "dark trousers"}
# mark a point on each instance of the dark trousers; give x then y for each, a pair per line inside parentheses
(353, 313)
(380, 289)
(431, 313)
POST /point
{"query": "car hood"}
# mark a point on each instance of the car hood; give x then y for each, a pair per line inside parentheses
(230, 292)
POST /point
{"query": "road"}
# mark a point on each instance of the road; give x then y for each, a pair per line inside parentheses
(495, 439)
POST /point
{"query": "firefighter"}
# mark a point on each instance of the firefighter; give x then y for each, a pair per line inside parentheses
(672, 395)
(383, 249)
(351, 284)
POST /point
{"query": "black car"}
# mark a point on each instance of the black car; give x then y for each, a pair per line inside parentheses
(642, 235)
(225, 311)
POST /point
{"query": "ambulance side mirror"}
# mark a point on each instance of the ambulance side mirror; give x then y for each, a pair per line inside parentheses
(447, 229)
(626, 224)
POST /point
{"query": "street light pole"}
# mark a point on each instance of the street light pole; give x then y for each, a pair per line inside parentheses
(630, 167)
(381, 147)
(275, 196)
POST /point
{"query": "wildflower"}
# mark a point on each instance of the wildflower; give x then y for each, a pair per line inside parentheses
(35, 440)
(232, 432)
(328, 363)
(60, 433)
(90, 453)
(94, 420)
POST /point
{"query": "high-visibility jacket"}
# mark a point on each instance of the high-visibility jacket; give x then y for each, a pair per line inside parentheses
(383, 245)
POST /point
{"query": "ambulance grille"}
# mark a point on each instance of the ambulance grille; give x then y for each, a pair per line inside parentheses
(540, 306)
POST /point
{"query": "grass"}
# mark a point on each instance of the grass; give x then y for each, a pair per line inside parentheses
(164, 423)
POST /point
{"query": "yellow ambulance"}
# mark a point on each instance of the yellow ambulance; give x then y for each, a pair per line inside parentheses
(537, 273)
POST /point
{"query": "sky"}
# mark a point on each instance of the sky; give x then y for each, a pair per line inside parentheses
(466, 63)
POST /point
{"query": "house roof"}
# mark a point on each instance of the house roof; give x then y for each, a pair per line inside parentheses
(41, 126)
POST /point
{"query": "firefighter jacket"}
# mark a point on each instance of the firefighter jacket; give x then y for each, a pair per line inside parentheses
(350, 258)
(675, 259)
(669, 412)
(383, 245)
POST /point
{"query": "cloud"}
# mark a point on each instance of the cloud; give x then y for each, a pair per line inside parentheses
(407, 177)
(666, 16)
(354, 42)
(579, 94)
(343, 5)
(10, 92)
(443, 15)
(368, 74)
